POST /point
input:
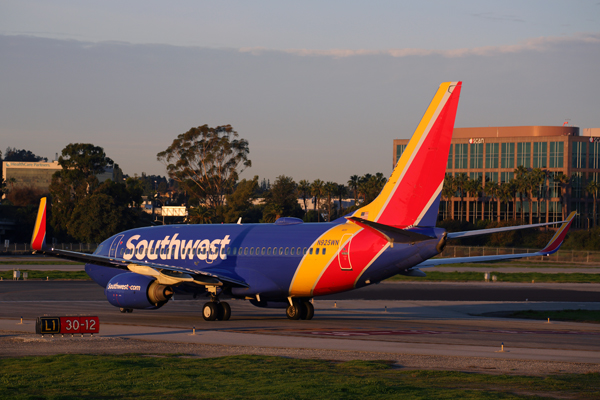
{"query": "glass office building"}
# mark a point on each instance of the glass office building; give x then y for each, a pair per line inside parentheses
(493, 153)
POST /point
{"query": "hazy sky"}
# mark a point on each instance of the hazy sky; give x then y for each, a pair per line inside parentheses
(319, 89)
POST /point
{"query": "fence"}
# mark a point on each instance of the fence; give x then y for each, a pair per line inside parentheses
(25, 248)
(571, 256)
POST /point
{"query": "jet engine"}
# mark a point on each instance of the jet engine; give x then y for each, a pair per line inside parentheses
(130, 290)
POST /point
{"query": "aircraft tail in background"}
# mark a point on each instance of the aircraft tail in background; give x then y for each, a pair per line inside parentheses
(411, 197)
(38, 239)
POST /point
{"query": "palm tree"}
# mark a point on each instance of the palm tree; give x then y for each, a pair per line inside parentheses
(564, 182)
(592, 188)
(522, 185)
(461, 180)
(474, 189)
(537, 179)
(341, 192)
(200, 215)
(353, 184)
(506, 193)
(329, 189)
(492, 190)
(317, 190)
(304, 190)
(448, 191)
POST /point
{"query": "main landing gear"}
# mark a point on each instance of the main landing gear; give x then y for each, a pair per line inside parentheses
(125, 310)
(216, 310)
(300, 309)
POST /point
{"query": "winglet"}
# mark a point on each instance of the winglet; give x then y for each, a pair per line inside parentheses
(558, 238)
(38, 239)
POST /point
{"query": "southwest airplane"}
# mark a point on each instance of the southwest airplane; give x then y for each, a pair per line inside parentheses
(287, 263)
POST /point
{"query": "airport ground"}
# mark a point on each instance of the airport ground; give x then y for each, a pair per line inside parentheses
(451, 326)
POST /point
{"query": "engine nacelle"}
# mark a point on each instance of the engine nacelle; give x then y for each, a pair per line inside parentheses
(131, 290)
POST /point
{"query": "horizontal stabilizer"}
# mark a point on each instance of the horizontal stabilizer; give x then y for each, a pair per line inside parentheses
(390, 233)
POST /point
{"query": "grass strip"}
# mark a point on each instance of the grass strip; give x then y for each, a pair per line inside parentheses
(262, 377)
(474, 276)
(51, 275)
(560, 315)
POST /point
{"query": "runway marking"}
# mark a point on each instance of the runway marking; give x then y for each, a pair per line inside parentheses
(536, 332)
(378, 333)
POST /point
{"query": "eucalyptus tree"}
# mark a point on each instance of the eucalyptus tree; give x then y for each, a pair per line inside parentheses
(206, 162)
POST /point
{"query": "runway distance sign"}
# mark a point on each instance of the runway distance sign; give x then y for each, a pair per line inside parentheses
(67, 325)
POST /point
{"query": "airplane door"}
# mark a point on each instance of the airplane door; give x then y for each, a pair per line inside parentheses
(112, 252)
(344, 253)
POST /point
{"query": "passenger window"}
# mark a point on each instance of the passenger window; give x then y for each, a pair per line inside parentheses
(245, 251)
(287, 250)
(298, 251)
(310, 251)
(234, 251)
(292, 250)
(251, 251)
(317, 251)
(223, 250)
(268, 251)
(262, 251)
(324, 249)
(281, 251)
(304, 251)
(229, 251)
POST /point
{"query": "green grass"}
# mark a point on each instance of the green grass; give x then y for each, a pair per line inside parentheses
(560, 315)
(436, 276)
(52, 275)
(65, 262)
(261, 377)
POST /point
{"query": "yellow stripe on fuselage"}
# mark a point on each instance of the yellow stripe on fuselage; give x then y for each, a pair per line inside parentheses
(373, 210)
(312, 266)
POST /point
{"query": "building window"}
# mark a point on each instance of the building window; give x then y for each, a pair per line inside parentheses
(399, 150)
(578, 156)
(554, 189)
(491, 177)
(508, 155)
(506, 177)
(449, 165)
(491, 155)
(540, 154)
(460, 156)
(577, 183)
(595, 155)
(476, 155)
(557, 150)
(524, 154)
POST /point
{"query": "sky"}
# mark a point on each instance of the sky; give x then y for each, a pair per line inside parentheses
(319, 88)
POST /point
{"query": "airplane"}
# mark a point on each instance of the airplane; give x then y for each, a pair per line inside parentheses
(288, 263)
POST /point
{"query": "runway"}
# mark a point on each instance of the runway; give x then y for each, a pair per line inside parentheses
(394, 324)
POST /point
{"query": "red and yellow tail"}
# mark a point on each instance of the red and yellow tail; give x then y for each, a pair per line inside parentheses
(38, 239)
(411, 196)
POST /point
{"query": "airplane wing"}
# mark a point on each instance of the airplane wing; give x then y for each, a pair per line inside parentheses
(165, 274)
(551, 248)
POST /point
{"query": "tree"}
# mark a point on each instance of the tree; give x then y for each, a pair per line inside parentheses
(461, 181)
(13, 154)
(522, 186)
(330, 189)
(239, 203)
(474, 188)
(199, 215)
(80, 162)
(353, 184)
(317, 190)
(341, 192)
(304, 191)
(492, 190)
(281, 200)
(506, 193)
(448, 191)
(206, 162)
(592, 188)
(537, 180)
(564, 182)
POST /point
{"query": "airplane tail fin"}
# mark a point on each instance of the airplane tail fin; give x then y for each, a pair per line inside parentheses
(38, 239)
(559, 237)
(412, 194)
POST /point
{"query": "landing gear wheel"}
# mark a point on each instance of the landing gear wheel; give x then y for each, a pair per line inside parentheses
(210, 311)
(224, 311)
(293, 311)
(130, 310)
(308, 311)
(125, 310)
